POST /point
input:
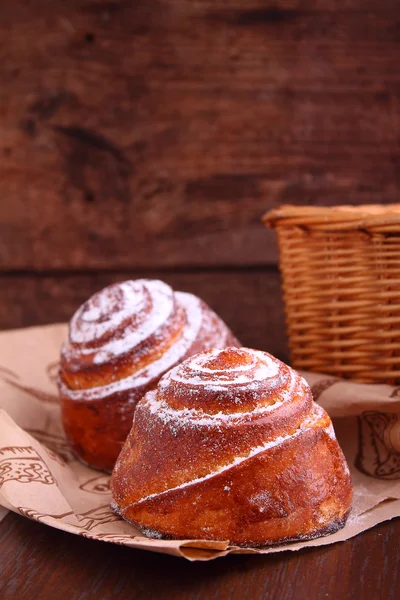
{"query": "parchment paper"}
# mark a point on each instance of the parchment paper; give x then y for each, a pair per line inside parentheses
(40, 478)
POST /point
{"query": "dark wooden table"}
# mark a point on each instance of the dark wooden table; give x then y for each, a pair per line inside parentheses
(40, 562)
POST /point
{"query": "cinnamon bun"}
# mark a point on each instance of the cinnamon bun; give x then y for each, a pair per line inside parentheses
(120, 343)
(231, 446)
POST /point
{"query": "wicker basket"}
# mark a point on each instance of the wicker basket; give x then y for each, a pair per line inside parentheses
(341, 282)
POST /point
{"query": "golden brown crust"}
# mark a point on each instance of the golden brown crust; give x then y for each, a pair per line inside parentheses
(231, 446)
(120, 343)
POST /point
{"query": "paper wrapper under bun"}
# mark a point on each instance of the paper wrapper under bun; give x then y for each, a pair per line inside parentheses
(41, 479)
(377, 408)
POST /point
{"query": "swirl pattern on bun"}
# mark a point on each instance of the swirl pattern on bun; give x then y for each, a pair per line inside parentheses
(231, 446)
(121, 341)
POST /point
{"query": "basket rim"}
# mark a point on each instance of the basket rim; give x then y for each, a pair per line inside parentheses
(378, 218)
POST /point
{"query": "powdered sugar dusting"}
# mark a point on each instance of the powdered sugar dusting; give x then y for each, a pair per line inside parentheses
(110, 307)
(194, 314)
(197, 417)
(245, 367)
(141, 306)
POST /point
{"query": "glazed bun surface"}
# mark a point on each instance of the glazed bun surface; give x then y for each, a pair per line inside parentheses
(121, 341)
(231, 446)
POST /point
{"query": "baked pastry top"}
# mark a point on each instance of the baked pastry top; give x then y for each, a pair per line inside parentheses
(120, 343)
(231, 446)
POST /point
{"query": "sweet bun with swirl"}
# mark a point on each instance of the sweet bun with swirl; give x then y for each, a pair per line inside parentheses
(121, 341)
(231, 446)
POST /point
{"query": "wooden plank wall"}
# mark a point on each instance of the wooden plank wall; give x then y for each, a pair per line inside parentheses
(147, 137)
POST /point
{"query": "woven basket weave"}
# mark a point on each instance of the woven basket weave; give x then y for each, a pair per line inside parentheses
(341, 283)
